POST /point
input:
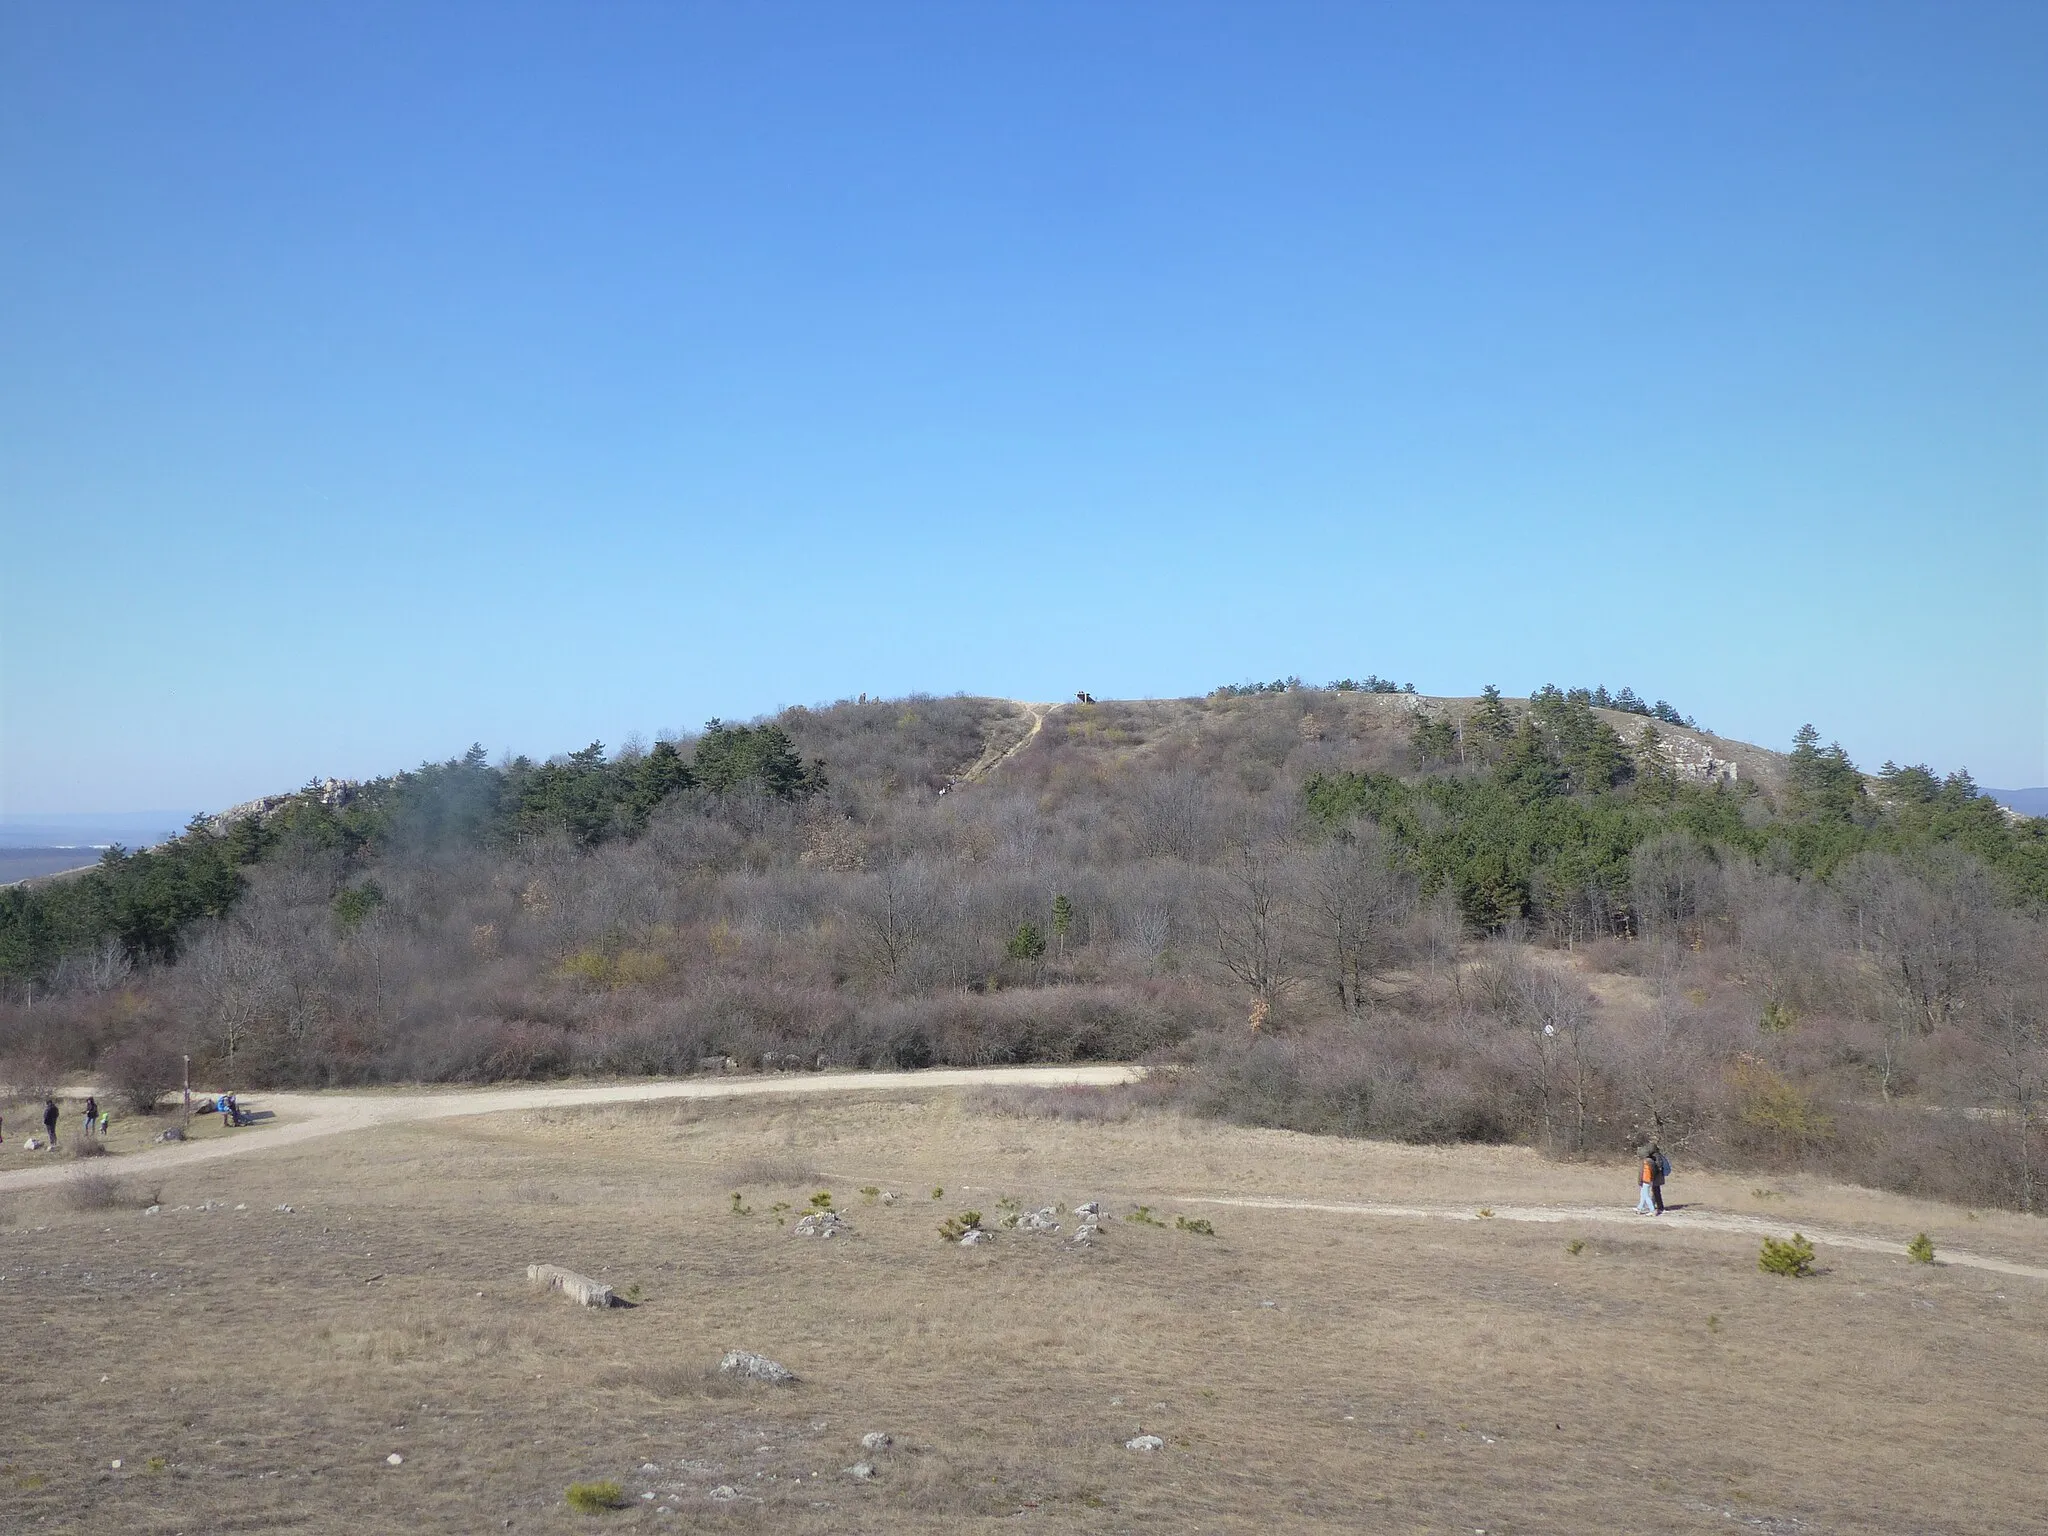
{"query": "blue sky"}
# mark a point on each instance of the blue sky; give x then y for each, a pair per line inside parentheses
(378, 379)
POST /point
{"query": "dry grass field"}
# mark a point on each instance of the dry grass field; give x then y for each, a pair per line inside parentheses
(227, 1364)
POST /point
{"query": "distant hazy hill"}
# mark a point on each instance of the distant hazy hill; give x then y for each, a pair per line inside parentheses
(2028, 802)
(92, 829)
(31, 863)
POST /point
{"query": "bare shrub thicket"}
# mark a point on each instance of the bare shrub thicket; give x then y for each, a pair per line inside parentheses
(1884, 1024)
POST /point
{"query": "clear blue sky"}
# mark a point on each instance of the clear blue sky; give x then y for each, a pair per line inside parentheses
(377, 379)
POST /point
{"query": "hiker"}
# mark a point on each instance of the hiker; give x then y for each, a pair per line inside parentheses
(104, 1118)
(50, 1119)
(92, 1114)
(1645, 1177)
(227, 1109)
(1660, 1170)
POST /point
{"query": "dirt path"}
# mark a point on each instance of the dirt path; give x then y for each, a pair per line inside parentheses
(1699, 1221)
(306, 1116)
(989, 763)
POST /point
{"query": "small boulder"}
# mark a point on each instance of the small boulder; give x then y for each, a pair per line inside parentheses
(1042, 1220)
(875, 1440)
(822, 1224)
(749, 1366)
(394, 1460)
(974, 1236)
(889, 1197)
(1145, 1443)
(175, 1133)
(724, 1493)
(862, 1471)
(1092, 1210)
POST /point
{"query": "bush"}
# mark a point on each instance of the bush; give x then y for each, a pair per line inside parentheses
(1791, 1257)
(94, 1192)
(141, 1070)
(1199, 1225)
(595, 1498)
(1921, 1249)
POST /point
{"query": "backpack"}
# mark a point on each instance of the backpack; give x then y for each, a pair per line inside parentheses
(1663, 1166)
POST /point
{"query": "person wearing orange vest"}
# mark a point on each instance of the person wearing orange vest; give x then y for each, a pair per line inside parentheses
(1646, 1203)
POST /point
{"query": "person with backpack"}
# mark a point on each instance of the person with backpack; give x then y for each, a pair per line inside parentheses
(1660, 1170)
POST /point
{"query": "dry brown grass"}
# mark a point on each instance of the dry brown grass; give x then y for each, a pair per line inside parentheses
(1306, 1371)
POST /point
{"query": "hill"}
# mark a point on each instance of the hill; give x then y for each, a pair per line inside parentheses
(2026, 802)
(1346, 909)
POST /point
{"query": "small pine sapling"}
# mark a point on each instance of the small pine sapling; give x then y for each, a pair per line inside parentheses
(953, 1228)
(1791, 1257)
(1921, 1249)
(595, 1498)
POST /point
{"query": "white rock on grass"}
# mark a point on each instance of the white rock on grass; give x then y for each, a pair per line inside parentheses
(974, 1236)
(394, 1460)
(1092, 1210)
(1145, 1443)
(749, 1366)
(579, 1288)
(724, 1493)
(875, 1440)
(1042, 1220)
(862, 1471)
(822, 1224)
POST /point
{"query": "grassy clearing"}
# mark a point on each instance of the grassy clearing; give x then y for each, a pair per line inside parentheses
(1306, 1371)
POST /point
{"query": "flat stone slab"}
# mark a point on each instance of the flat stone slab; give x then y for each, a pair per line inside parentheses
(579, 1288)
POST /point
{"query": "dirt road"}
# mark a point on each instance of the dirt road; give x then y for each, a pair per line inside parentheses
(305, 1116)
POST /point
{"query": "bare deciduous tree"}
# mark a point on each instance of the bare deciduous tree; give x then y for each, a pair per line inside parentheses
(1352, 905)
(1246, 911)
(892, 914)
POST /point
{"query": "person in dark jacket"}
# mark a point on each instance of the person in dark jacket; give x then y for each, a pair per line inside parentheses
(92, 1115)
(1660, 1170)
(50, 1119)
